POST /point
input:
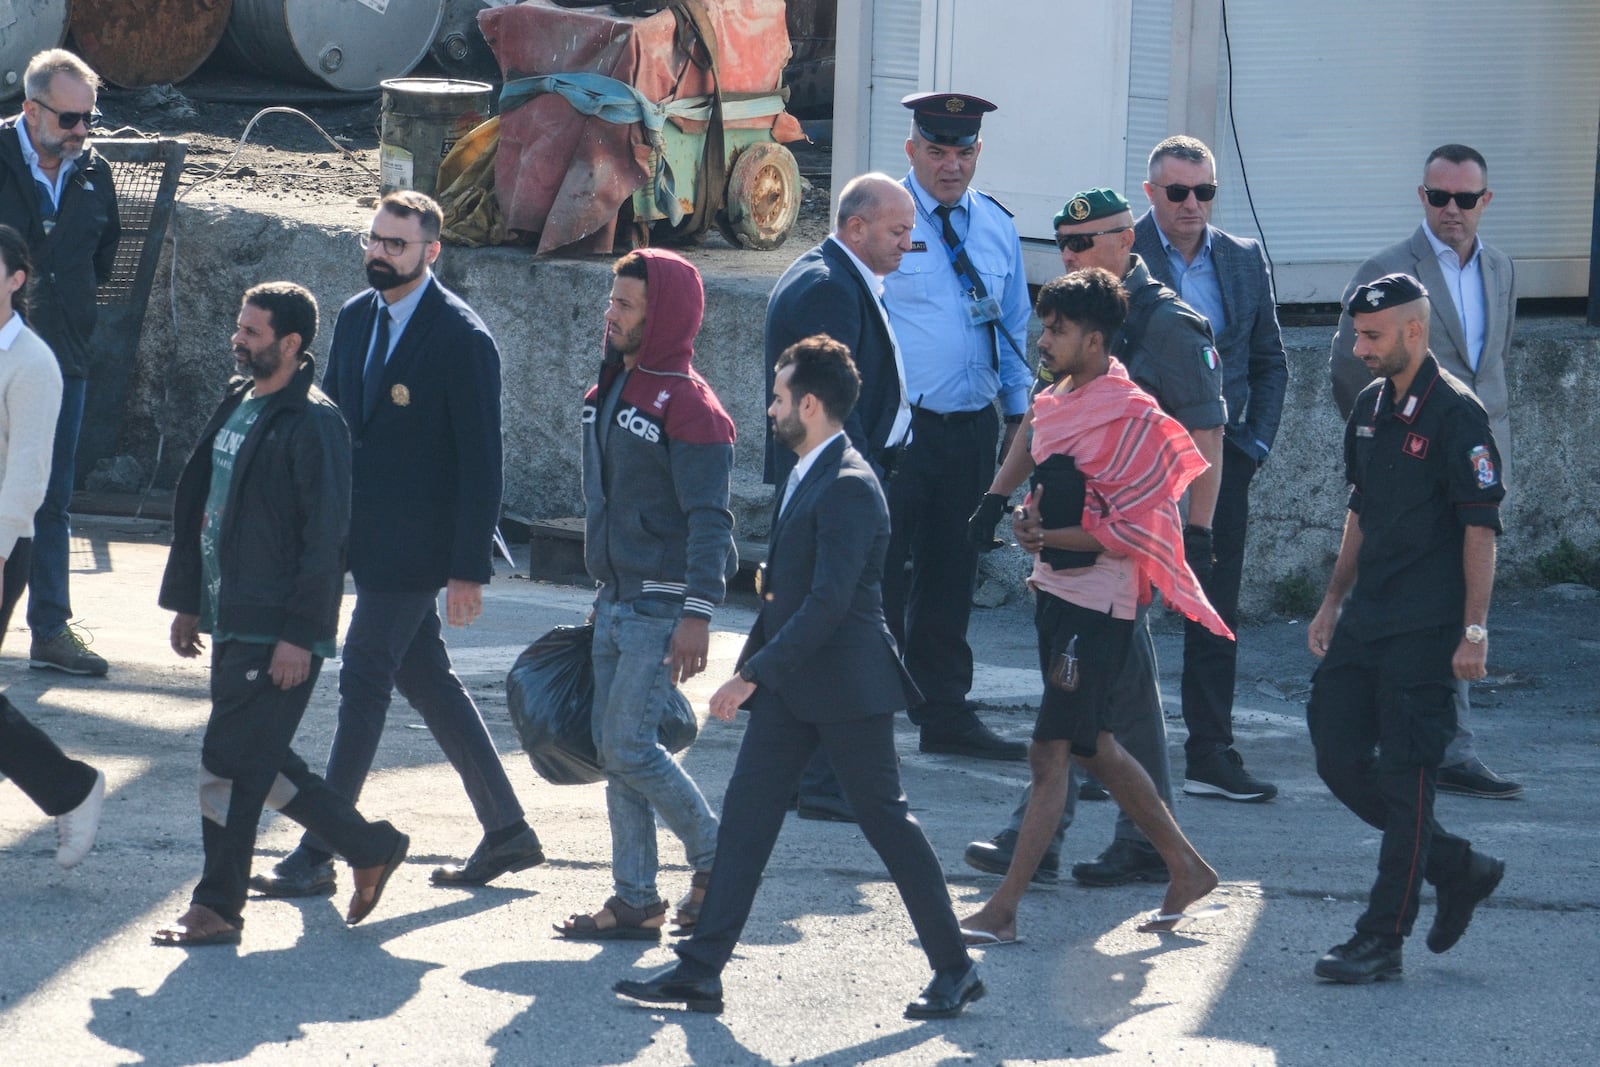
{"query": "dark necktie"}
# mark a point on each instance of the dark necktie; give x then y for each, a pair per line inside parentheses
(47, 205)
(375, 364)
(963, 265)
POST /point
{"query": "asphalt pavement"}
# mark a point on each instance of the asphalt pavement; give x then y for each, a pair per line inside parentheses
(829, 958)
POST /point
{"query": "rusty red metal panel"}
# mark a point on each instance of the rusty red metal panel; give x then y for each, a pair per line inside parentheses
(134, 43)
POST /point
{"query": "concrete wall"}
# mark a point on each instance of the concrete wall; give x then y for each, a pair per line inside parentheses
(547, 317)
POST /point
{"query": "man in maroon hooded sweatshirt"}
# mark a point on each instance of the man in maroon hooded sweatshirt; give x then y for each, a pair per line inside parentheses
(658, 538)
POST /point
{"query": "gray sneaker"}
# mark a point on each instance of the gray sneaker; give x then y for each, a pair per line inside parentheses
(66, 651)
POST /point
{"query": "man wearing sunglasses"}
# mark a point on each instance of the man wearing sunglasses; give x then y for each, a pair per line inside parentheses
(56, 191)
(1225, 279)
(1473, 289)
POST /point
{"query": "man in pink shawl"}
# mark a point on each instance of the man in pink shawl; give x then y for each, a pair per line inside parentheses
(1103, 521)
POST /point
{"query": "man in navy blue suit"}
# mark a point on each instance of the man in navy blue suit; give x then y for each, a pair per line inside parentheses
(417, 376)
(837, 289)
(820, 670)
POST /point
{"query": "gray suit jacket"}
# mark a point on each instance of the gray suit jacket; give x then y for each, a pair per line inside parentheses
(1446, 339)
(1255, 372)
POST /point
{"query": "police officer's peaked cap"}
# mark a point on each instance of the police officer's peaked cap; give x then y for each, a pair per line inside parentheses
(947, 118)
(1089, 205)
(1389, 291)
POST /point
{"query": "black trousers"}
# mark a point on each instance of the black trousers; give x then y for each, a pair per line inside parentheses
(49, 778)
(776, 746)
(1211, 663)
(939, 480)
(246, 764)
(1381, 713)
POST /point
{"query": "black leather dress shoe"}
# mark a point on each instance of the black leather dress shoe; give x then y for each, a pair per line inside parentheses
(1364, 958)
(667, 987)
(296, 875)
(947, 994)
(1473, 779)
(486, 864)
(964, 735)
(1122, 862)
(994, 857)
(1459, 899)
(822, 808)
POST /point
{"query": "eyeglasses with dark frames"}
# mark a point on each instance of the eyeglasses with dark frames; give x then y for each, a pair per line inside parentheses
(69, 119)
(1082, 242)
(1179, 193)
(393, 246)
(1464, 201)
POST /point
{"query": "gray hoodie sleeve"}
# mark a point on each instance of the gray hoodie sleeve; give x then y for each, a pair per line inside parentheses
(702, 477)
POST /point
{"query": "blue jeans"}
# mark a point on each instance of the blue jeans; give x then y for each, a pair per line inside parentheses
(394, 642)
(49, 602)
(630, 693)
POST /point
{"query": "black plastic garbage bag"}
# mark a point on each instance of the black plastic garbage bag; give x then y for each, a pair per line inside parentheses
(550, 694)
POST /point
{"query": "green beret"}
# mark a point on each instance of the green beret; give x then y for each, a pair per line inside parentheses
(1090, 205)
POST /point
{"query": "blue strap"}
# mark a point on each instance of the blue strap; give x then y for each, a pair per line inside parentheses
(611, 101)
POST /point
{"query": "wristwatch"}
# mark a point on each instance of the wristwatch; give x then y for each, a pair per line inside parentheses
(1475, 634)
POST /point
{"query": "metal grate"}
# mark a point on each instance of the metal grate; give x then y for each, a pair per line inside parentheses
(145, 174)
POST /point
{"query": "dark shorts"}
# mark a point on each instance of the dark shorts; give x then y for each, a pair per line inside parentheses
(1102, 648)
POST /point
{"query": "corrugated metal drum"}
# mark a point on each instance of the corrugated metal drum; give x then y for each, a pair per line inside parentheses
(134, 43)
(346, 44)
(460, 49)
(27, 27)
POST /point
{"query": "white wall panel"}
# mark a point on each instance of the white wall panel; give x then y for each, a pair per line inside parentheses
(1337, 105)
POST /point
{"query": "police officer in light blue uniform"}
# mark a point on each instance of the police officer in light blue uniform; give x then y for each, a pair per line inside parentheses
(959, 305)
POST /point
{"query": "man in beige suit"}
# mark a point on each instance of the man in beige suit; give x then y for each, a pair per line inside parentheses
(1473, 291)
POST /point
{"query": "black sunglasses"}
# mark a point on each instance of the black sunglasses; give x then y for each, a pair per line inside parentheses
(1082, 242)
(1179, 193)
(70, 119)
(1464, 201)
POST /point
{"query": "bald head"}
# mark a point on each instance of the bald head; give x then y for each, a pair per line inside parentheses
(874, 221)
(865, 194)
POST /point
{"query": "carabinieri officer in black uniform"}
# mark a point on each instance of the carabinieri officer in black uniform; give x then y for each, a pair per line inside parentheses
(1417, 563)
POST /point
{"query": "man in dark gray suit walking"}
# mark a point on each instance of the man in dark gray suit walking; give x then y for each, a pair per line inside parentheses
(820, 669)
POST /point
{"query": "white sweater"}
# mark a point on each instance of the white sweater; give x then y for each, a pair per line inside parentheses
(30, 399)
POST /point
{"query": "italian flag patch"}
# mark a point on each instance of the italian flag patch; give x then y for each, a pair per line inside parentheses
(1211, 357)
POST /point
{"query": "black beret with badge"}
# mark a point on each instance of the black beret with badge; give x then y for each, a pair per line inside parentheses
(1389, 291)
(947, 118)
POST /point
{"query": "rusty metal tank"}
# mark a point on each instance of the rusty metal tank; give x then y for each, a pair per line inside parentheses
(344, 44)
(28, 27)
(134, 43)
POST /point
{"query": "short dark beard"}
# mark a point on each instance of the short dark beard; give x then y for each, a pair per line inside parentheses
(382, 277)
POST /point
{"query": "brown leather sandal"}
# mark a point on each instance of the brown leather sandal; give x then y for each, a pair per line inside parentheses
(689, 907)
(627, 923)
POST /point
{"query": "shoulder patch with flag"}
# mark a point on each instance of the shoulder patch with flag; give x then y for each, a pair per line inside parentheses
(1210, 354)
(1482, 466)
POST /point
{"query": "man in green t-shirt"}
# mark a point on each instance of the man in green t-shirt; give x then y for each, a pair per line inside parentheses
(260, 524)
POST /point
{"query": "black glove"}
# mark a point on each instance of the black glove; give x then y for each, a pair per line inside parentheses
(980, 528)
(1198, 551)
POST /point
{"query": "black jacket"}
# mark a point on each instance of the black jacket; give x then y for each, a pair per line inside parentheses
(286, 522)
(73, 259)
